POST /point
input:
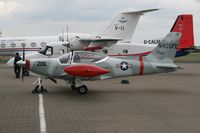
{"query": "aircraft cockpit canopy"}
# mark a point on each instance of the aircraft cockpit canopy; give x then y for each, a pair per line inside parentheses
(64, 59)
(87, 57)
(81, 57)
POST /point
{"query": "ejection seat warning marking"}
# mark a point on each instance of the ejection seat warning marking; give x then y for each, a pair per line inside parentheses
(42, 115)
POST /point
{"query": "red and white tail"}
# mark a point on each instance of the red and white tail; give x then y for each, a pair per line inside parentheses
(184, 25)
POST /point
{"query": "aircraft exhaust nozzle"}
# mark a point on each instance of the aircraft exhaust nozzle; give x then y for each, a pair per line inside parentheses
(86, 70)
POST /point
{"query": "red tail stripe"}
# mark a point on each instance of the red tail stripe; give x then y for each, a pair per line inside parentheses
(27, 66)
(141, 65)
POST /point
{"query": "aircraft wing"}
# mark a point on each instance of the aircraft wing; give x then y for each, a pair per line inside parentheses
(141, 12)
(99, 43)
(100, 39)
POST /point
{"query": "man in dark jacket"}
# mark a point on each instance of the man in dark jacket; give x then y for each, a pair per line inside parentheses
(17, 68)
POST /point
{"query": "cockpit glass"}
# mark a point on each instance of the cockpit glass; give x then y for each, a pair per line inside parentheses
(46, 50)
(87, 57)
(64, 59)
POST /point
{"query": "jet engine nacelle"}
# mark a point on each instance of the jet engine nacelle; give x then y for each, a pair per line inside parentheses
(78, 45)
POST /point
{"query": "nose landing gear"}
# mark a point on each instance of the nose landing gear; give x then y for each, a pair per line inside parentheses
(39, 88)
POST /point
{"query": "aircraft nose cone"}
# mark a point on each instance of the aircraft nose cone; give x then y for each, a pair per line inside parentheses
(85, 70)
(25, 64)
(21, 63)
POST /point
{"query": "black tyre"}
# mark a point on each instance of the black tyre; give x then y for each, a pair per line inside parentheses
(82, 89)
(39, 89)
(124, 81)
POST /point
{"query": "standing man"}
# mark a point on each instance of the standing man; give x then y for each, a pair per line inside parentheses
(17, 68)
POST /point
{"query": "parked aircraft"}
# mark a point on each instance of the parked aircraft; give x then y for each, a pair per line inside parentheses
(78, 66)
(121, 27)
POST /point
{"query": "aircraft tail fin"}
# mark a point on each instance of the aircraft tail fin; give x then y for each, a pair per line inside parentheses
(184, 25)
(165, 51)
(124, 24)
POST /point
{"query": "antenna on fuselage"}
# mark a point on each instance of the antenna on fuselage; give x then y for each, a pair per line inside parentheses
(63, 36)
(67, 33)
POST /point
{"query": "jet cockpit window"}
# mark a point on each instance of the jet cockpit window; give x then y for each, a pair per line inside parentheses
(87, 57)
(46, 50)
(64, 59)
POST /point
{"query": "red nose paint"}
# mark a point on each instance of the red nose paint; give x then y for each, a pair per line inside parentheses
(85, 70)
(27, 65)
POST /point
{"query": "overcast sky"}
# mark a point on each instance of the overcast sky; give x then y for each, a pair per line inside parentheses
(50, 17)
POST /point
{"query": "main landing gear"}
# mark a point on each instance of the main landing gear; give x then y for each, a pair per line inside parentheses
(39, 88)
(81, 89)
(78, 86)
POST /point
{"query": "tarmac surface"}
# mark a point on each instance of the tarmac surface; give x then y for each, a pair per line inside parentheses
(159, 103)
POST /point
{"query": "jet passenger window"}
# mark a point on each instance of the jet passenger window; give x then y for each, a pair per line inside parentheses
(13, 45)
(125, 51)
(23, 44)
(3, 45)
(33, 44)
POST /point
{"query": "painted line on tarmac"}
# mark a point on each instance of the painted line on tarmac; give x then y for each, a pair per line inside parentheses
(43, 128)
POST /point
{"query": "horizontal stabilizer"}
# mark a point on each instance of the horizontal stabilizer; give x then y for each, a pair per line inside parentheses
(165, 65)
(141, 12)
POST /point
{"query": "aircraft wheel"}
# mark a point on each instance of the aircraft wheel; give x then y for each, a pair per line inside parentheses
(82, 89)
(26, 73)
(39, 89)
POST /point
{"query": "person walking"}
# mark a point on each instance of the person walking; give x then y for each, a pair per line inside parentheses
(17, 68)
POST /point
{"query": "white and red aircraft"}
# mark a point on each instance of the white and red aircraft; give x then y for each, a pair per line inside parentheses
(78, 66)
(121, 27)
